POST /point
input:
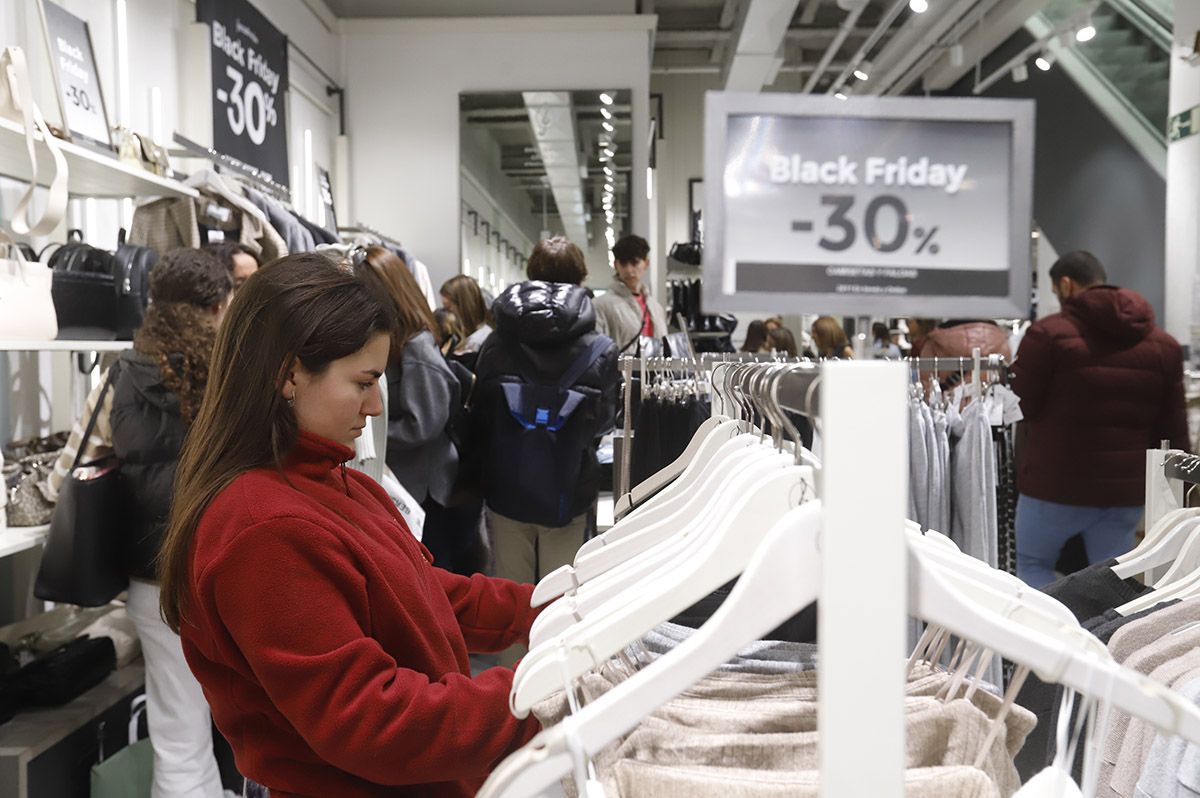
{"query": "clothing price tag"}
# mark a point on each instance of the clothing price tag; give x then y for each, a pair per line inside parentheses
(215, 236)
(250, 81)
(218, 212)
(74, 63)
(875, 205)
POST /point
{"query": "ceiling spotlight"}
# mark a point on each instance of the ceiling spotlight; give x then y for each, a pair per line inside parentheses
(863, 72)
(608, 171)
(840, 95)
(1086, 33)
(918, 6)
(1020, 73)
(606, 98)
(604, 112)
(1044, 62)
(610, 152)
(607, 126)
(603, 158)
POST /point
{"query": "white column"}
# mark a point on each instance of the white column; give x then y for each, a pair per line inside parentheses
(1183, 188)
(862, 610)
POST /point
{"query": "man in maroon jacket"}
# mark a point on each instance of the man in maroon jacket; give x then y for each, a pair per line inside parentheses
(1099, 384)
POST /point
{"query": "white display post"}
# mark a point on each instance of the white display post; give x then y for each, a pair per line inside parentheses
(862, 609)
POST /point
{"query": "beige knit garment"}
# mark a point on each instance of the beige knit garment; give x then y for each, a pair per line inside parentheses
(648, 780)
(1139, 737)
(1165, 646)
(769, 722)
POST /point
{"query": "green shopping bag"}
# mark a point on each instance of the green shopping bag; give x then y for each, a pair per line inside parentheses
(129, 773)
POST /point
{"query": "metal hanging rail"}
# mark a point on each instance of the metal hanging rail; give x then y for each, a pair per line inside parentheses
(259, 178)
(1184, 467)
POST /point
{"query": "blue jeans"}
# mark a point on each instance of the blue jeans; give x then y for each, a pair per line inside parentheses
(1043, 528)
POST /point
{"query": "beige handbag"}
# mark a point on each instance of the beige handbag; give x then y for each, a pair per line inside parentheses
(26, 307)
(16, 104)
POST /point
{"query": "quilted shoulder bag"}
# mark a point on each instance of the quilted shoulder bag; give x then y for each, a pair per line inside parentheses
(26, 307)
(17, 105)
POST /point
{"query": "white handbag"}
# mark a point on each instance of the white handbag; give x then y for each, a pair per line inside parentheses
(16, 103)
(26, 307)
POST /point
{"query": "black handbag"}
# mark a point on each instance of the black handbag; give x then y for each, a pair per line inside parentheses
(62, 675)
(84, 290)
(83, 561)
(131, 279)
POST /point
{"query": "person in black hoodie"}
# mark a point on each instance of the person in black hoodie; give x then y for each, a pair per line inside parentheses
(543, 328)
(156, 394)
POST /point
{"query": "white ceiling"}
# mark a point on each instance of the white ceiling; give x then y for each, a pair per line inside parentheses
(347, 9)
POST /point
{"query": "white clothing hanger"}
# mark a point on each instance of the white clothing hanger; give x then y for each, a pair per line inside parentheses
(676, 499)
(664, 476)
(721, 557)
(625, 573)
(1161, 545)
(781, 578)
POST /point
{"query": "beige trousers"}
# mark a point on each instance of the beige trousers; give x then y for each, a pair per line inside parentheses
(527, 552)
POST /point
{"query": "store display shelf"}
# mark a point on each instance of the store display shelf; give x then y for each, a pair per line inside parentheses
(92, 173)
(64, 346)
(16, 539)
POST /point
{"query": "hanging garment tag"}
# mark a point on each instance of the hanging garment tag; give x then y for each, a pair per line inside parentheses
(215, 236)
(595, 789)
(218, 212)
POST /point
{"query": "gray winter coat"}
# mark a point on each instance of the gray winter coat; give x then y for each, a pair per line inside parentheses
(421, 392)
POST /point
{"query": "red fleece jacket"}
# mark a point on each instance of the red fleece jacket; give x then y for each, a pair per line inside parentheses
(332, 653)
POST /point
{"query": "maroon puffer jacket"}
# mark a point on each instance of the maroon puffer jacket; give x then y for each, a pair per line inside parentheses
(1099, 384)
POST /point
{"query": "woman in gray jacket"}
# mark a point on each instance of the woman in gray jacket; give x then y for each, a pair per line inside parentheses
(422, 392)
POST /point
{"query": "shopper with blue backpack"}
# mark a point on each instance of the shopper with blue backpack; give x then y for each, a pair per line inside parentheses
(546, 390)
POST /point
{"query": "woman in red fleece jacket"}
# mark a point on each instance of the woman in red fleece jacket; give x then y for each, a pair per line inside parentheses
(332, 652)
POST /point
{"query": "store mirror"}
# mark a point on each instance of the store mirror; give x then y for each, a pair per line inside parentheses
(541, 163)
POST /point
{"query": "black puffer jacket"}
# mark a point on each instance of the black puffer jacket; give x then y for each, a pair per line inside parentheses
(147, 432)
(547, 326)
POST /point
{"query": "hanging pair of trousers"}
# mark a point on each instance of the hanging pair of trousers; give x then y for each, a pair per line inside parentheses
(176, 711)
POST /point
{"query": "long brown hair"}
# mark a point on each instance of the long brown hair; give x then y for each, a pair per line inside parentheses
(829, 337)
(300, 307)
(178, 331)
(466, 300)
(385, 273)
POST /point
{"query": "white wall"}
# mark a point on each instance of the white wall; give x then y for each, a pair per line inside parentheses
(1183, 190)
(403, 117)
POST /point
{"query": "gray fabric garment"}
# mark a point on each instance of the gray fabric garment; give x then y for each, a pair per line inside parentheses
(761, 656)
(937, 475)
(1139, 738)
(294, 234)
(619, 316)
(649, 780)
(1145, 660)
(973, 493)
(939, 508)
(419, 451)
(1171, 769)
(918, 466)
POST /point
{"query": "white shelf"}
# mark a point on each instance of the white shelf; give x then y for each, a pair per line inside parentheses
(65, 346)
(92, 173)
(16, 539)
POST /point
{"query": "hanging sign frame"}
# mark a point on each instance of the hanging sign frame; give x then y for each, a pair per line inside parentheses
(868, 206)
